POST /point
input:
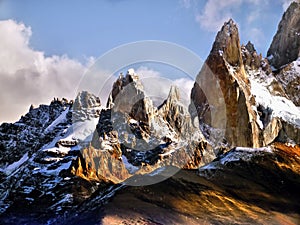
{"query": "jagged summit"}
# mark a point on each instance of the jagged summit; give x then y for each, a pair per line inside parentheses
(227, 43)
(174, 93)
(285, 46)
(85, 100)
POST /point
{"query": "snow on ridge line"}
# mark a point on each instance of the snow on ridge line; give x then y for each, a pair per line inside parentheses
(131, 168)
(248, 149)
(244, 154)
(58, 120)
(236, 154)
(15, 165)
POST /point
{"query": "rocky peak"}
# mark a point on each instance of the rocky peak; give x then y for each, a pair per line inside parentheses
(86, 100)
(130, 78)
(227, 44)
(85, 107)
(252, 60)
(174, 94)
(127, 96)
(225, 87)
(250, 47)
(285, 46)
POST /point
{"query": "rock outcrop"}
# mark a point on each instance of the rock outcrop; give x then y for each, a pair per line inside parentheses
(224, 68)
(285, 47)
(289, 78)
(86, 106)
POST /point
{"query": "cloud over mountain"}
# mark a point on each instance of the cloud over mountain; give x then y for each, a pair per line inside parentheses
(28, 76)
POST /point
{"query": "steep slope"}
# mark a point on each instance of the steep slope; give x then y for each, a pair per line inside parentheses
(258, 109)
(77, 162)
(284, 52)
(285, 47)
(224, 67)
(38, 186)
(289, 78)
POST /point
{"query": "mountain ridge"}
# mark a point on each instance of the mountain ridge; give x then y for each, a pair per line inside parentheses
(232, 156)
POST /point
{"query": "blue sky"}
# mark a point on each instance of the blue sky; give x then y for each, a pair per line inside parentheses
(47, 46)
(89, 28)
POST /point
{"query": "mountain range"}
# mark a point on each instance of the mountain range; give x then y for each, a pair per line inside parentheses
(231, 157)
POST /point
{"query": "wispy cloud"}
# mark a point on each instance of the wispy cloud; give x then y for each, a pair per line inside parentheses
(286, 4)
(215, 13)
(186, 3)
(157, 86)
(29, 77)
(256, 36)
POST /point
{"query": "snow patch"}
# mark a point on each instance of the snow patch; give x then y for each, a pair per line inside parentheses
(12, 167)
(58, 120)
(131, 168)
(281, 106)
(243, 153)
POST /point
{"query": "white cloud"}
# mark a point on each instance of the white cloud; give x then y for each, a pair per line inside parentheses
(254, 15)
(158, 86)
(145, 72)
(215, 13)
(29, 77)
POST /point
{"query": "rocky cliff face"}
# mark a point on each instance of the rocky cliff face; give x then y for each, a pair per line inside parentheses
(250, 91)
(285, 47)
(224, 67)
(284, 52)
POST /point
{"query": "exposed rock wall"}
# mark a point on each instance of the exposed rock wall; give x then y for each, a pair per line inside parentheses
(224, 67)
(285, 46)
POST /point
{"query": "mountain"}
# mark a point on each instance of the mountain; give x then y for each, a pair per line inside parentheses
(284, 52)
(251, 96)
(231, 157)
(285, 47)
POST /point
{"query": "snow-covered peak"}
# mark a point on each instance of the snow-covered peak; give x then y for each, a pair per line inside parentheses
(131, 72)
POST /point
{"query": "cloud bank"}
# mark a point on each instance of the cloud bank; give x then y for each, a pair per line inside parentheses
(28, 76)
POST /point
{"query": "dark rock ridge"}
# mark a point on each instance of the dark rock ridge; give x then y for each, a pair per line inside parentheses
(284, 52)
(289, 78)
(36, 185)
(31, 132)
(285, 47)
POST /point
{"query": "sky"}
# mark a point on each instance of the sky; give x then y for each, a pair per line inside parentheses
(47, 46)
